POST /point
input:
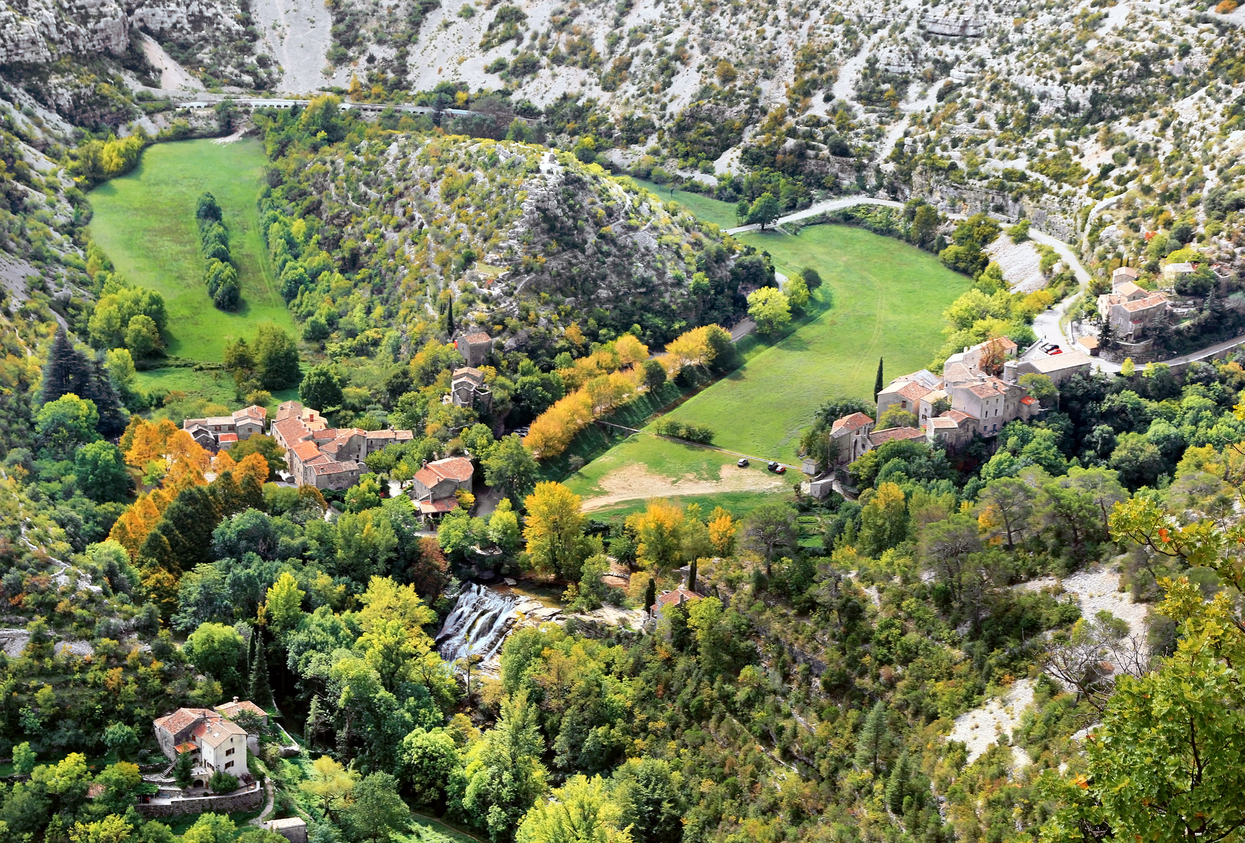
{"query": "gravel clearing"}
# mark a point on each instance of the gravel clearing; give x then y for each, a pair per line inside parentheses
(1093, 591)
(1019, 262)
(1097, 590)
(981, 728)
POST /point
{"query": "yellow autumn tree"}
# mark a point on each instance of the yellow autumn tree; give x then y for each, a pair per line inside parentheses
(722, 530)
(659, 534)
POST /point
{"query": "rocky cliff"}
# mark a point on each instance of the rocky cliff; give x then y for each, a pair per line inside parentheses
(41, 31)
(215, 39)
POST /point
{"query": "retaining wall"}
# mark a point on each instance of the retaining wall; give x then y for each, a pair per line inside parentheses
(227, 804)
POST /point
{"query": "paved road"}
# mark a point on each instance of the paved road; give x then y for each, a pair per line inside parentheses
(212, 100)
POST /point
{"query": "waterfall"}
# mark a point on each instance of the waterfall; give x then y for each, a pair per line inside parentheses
(478, 624)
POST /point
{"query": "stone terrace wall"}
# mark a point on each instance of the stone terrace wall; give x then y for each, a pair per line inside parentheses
(227, 804)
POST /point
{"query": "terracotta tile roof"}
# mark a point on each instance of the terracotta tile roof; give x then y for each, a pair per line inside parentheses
(218, 731)
(913, 391)
(988, 388)
(477, 337)
(381, 434)
(228, 437)
(289, 409)
(1004, 343)
(853, 422)
(943, 423)
(469, 372)
(305, 451)
(254, 412)
(936, 395)
(182, 718)
(959, 416)
(677, 597)
(322, 468)
(403, 435)
(219, 421)
(1127, 289)
(1130, 271)
(956, 373)
(891, 434)
(453, 468)
(185, 747)
(1152, 300)
(290, 430)
(438, 507)
(233, 709)
(1029, 400)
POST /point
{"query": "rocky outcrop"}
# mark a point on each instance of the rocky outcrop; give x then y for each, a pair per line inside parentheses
(41, 31)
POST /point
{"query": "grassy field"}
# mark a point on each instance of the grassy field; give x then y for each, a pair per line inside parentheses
(703, 208)
(214, 386)
(145, 222)
(672, 460)
(881, 298)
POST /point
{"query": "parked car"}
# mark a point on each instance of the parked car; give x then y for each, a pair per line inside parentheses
(1056, 350)
(782, 469)
(773, 466)
(743, 463)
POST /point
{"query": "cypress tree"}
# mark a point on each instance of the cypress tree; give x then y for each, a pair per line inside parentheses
(650, 594)
(691, 576)
(258, 689)
(449, 317)
(877, 382)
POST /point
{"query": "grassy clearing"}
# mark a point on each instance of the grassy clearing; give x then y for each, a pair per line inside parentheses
(672, 460)
(881, 298)
(145, 222)
(703, 208)
(214, 386)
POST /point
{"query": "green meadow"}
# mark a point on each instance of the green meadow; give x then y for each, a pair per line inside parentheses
(881, 299)
(704, 208)
(145, 222)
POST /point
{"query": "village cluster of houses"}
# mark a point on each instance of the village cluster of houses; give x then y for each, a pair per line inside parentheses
(1132, 311)
(212, 737)
(970, 400)
(333, 457)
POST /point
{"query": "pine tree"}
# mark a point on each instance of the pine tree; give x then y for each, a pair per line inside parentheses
(183, 770)
(67, 370)
(877, 382)
(871, 744)
(112, 416)
(897, 784)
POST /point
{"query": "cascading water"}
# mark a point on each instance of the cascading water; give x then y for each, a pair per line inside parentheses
(478, 624)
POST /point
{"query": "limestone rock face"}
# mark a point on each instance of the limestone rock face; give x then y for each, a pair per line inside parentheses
(184, 19)
(40, 31)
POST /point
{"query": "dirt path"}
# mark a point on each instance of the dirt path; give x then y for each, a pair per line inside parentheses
(636, 482)
(264, 814)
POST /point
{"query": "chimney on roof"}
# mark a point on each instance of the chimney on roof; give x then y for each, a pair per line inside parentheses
(235, 699)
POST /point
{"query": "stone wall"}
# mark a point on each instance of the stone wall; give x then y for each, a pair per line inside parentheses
(227, 804)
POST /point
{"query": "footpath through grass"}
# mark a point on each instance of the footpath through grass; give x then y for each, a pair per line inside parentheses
(881, 298)
(145, 222)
